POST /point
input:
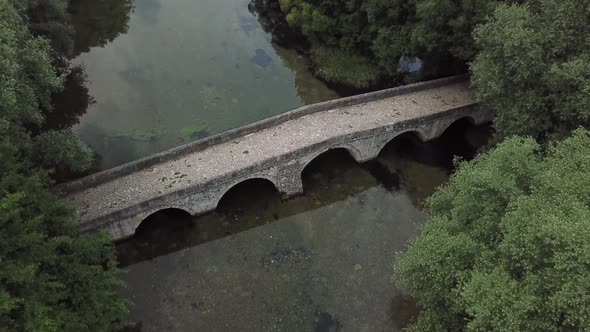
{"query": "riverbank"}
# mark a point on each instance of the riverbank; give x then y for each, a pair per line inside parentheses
(346, 47)
(273, 21)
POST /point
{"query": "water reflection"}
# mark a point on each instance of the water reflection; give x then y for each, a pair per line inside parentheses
(148, 10)
(98, 22)
(169, 72)
(309, 89)
(318, 262)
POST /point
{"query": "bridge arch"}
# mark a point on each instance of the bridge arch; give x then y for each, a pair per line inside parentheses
(406, 135)
(458, 123)
(162, 215)
(328, 160)
(255, 181)
(354, 153)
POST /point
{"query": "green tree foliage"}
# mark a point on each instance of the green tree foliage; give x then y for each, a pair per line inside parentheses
(71, 99)
(48, 18)
(391, 24)
(533, 69)
(51, 279)
(337, 23)
(28, 91)
(341, 38)
(339, 41)
(28, 77)
(63, 148)
(382, 31)
(70, 103)
(506, 246)
(444, 27)
(335, 65)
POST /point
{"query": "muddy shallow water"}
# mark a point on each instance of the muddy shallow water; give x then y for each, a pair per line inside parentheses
(319, 262)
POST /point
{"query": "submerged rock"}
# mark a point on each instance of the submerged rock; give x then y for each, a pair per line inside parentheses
(261, 58)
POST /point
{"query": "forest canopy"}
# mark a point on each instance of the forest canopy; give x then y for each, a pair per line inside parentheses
(506, 246)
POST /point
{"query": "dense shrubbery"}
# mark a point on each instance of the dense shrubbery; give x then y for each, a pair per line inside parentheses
(29, 83)
(533, 68)
(507, 243)
(382, 31)
(350, 69)
(51, 279)
(531, 58)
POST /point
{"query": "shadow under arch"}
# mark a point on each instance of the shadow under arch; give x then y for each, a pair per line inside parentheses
(457, 128)
(246, 193)
(327, 164)
(461, 138)
(162, 232)
(403, 143)
(163, 220)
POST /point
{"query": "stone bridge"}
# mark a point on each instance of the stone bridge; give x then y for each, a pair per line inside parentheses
(194, 177)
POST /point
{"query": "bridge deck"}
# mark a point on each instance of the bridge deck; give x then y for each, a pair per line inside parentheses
(217, 160)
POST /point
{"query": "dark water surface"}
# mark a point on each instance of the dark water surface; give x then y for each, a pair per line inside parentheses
(165, 73)
(319, 262)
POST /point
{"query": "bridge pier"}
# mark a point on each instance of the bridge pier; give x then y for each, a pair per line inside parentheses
(369, 148)
(289, 181)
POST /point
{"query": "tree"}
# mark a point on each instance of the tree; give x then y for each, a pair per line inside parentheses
(506, 246)
(391, 24)
(63, 148)
(28, 91)
(533, 68)
(65, 102)
(28, 77)
(338, 34)
(51, 279)
(49, 19)
(69, 104)
(382, 32)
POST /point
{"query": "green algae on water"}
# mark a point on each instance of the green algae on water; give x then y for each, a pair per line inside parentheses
(141, 135)
(193, 131)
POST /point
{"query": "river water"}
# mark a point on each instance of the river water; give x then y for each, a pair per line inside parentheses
(319, 262)
(180, 70)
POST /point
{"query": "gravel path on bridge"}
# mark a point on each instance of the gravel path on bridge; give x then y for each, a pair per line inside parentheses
(228, 157)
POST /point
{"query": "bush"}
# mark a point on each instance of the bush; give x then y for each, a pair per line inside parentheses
(61, 150)
(533, 69)
(337, 66)
(51, 278)
(506, 246)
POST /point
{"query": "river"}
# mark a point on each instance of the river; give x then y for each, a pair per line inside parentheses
(319, 262)
(164, 73)
(180, 70)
